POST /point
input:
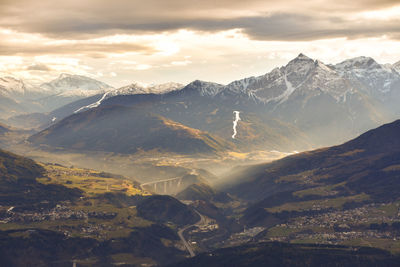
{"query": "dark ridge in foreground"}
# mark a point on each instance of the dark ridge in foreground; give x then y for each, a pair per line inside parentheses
(367, 164)
(298, 255)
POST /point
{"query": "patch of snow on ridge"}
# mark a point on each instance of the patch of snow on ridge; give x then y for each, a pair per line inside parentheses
(93, 105)
(289, 90)
(133, 89)
(285, 95)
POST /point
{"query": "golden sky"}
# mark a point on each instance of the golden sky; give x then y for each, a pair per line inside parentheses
(154, 41)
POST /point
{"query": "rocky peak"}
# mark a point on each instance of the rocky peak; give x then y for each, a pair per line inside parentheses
(203, 88)
(301, 59)
(396, 66)
(358, 63)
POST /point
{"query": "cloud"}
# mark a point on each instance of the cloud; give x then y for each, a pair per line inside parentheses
(181, 62)
(227, 39)
(260, 19)
(39, 67)
(94, 50)
(290, 27)
(275, 27)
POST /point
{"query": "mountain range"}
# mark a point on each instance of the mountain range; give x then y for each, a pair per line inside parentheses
(277, 110)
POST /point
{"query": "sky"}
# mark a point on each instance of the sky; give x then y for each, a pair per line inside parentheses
(154, 41)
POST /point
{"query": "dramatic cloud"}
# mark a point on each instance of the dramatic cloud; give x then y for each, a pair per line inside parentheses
(265, 20)
(289, 27)
(122, 41)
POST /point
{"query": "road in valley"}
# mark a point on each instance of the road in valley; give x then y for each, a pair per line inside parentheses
(202, 221)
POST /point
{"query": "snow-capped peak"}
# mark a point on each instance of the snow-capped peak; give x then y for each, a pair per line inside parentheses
(20, 90)
(203, 88)
(11, 85)
(396, 66)
(358, 63)
(67, 82)
(379, 78)
(300, 64)
(301, 58)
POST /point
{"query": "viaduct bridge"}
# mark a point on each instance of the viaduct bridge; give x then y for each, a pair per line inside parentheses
(166, 186)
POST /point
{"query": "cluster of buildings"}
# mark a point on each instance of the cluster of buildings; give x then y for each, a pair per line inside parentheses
(339, 226)
(60, 212)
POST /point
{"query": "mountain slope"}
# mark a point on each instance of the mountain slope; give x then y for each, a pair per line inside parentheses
(165, 209)
(18, 177)
(197, 106)
(366, 165)
(14, 167)
(126, 130)
(197, 191)
(43, 120)
(346, 194)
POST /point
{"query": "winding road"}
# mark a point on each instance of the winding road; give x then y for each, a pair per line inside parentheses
(202, 221)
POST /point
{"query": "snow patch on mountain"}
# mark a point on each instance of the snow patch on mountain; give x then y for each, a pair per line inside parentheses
(133, 89)
(93, 105)
(289, 90)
